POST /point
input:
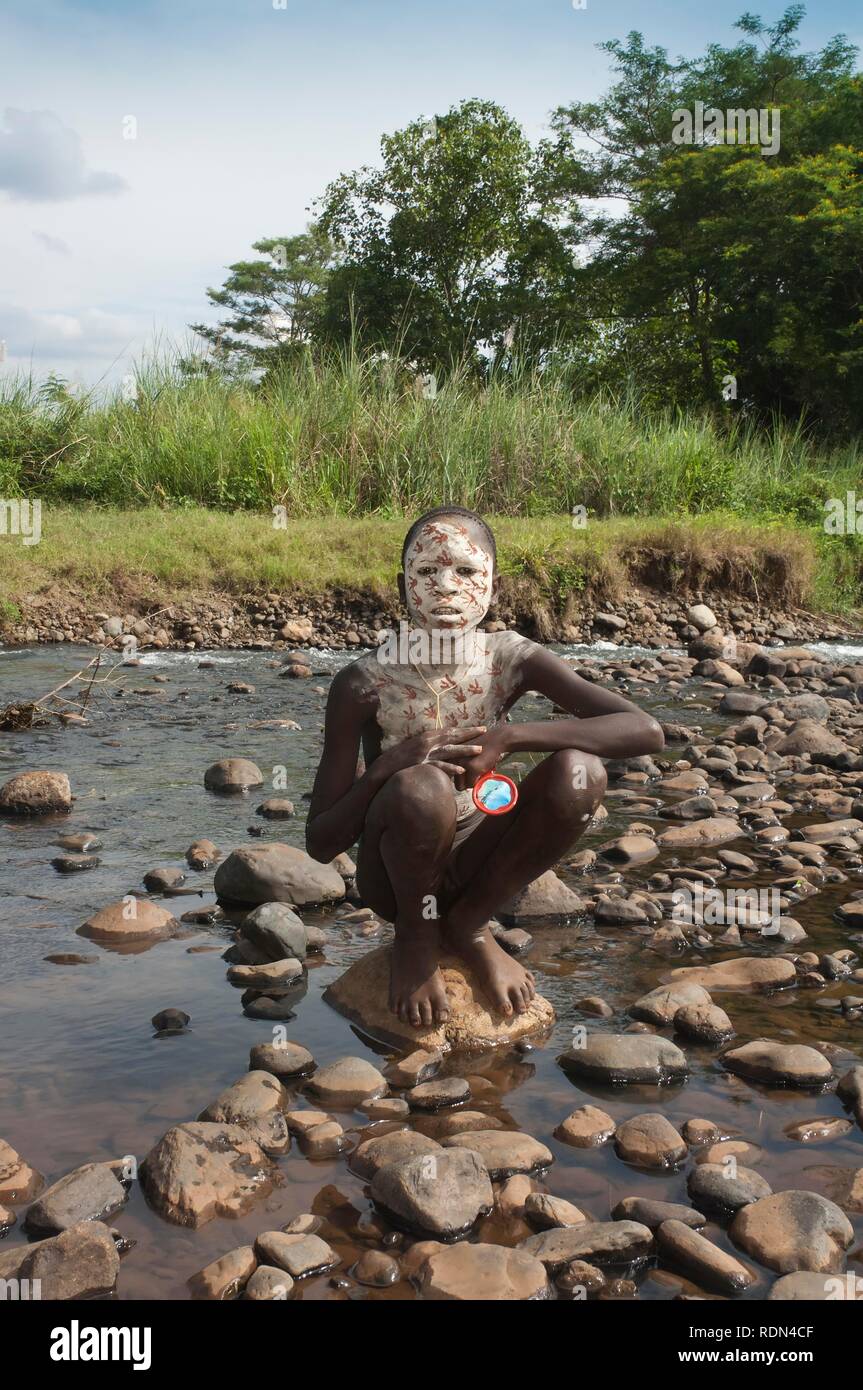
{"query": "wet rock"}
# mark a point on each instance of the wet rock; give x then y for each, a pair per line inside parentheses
(202, 854)
(324, 1141)
(36, 794)
(661, 1005)
(160, 880)
(282, 1059)
(385, 1108)
(130, 921)
(75, 863)
(376, 1269)
(18, 1181)
(299, 1122)
(361, 994)
(439, 1094)
(630, 850)
(578, 1279)
(741, 973)
(275, 932)
(616, 911)
(276, 808)
(807, 1287)
(347, 1083)
(598, 1242)
(440, 1194)
(7, 1220)
(226, 1277)
(792, 1231)
(301, 1256)
(586, 1128)
(81, 1262)
(513, 939)
(276, 873)
(503, 1152)
(850, 1090)
(704, 1023)
(447, 1122)
(725, 1187)
(548, 1213)
(90, 1193)
(701, 1260)
(256, 1103)
(547, 897)
(414, 1069)
(807, 736)
(714, 830)
(650, 1141)
(269, 1284)
(170, 1021)
(626, 1057)
(264, 977)
(597, 1008)
(487, 1273)
(236, 775)
(199, 1171)
(80, 844)
(831, 829)
(817, 1130)
(376, 1153)
(649, 1212)
(779, 1064)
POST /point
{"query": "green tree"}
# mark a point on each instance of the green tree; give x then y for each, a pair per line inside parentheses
(271, 303)
(430, 238)
(722, 261)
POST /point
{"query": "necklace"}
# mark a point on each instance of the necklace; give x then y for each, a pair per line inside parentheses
(438, 722)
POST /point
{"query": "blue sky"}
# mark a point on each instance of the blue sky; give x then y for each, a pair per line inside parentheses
(242, 112)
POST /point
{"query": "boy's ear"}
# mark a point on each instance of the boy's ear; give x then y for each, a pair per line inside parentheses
(495, 589)
(402, 590)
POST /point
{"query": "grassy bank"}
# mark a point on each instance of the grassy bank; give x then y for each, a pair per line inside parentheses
(162, 555)
(351, 437)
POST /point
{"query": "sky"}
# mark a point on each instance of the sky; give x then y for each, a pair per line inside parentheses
(146, 144)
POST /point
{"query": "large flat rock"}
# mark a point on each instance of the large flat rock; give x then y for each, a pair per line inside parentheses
(362, 992)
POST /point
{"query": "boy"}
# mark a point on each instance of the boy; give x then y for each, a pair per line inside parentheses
(430, 714)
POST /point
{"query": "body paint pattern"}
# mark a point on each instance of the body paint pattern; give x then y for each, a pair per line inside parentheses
(479, 691)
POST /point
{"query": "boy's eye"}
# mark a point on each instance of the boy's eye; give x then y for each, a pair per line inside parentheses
(426, 569)
(466, 570)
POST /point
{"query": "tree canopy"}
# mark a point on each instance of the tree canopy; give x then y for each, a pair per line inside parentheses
(725, 271)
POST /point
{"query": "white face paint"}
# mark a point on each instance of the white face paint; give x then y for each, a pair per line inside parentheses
(448, 577)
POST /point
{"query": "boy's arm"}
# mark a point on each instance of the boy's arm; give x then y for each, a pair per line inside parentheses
(604, 722)
(340, 799)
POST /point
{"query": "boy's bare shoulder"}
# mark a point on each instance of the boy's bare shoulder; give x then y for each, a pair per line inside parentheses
(355, 684)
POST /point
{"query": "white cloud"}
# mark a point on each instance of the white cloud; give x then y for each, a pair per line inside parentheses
(89, 334)
(42, 160)
(52, 243)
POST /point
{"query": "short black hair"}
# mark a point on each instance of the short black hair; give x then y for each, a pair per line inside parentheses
(451, 511)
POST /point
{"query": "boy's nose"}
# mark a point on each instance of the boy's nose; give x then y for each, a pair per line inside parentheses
(448, 582)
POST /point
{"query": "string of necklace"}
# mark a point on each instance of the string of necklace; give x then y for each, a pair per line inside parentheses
(438, 722)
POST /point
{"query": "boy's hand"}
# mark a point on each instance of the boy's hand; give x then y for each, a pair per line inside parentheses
(486, 758)
(448, 749)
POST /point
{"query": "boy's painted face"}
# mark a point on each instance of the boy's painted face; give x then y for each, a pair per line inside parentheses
(448, 576)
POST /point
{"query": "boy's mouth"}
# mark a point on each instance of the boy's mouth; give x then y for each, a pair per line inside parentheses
(445, 611)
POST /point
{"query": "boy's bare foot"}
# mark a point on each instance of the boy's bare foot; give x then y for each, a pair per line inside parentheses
(417, 992)
(508, 986)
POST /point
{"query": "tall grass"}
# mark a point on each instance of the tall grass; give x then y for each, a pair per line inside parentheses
(351, 435)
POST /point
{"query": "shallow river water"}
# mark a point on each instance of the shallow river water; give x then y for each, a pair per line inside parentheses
(84, 1077)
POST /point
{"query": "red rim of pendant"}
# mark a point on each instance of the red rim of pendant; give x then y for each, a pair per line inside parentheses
(497, 777)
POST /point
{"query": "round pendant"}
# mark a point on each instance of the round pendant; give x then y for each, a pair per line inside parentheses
(495, 794)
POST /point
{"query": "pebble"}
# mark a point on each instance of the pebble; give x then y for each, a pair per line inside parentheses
(597, 1242)
(624, 1058)
(723, 1188)
(503, 1152)
(439, 1094)
(301, 1255)
(170, 1021)
(781, 1064)
(650, 1141)
(492, 1273)
(376, 1269)
(792, 1231)
(347, 1083)
(439, 1194)
(226, 1277)
(546, 1212)
(269, 1283)
(703, 1261)
(283, 1059)
(586, 1128)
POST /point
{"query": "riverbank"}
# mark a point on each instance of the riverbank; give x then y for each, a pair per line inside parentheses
(197, 578)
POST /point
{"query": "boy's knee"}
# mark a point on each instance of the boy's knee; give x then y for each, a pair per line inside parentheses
(578, 776)
(421, 794)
